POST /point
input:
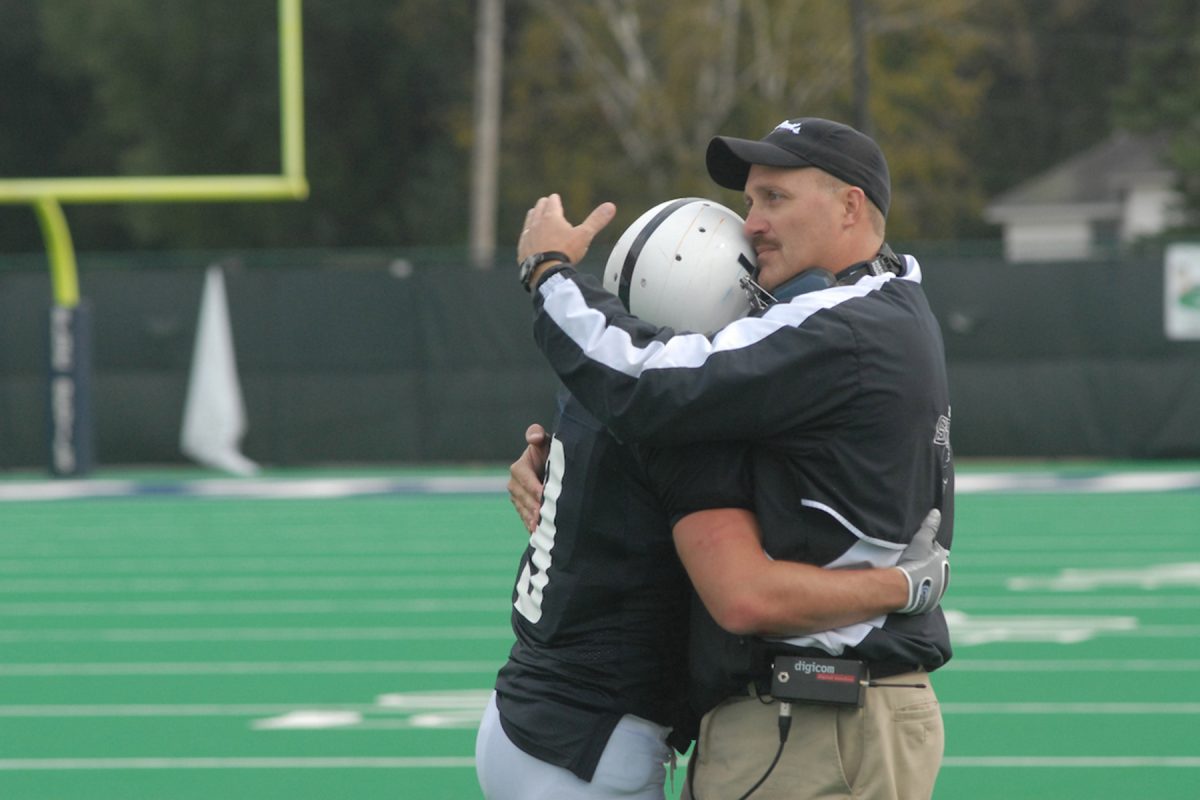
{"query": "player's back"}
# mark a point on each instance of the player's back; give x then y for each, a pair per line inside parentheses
(599, 604)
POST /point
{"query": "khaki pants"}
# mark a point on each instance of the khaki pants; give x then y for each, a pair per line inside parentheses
(890, 749)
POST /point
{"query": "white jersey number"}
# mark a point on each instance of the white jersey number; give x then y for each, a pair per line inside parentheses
(531, 585)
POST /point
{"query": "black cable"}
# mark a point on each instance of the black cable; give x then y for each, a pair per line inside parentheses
(785, 725)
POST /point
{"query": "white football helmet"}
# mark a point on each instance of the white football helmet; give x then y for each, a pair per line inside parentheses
(681, 264)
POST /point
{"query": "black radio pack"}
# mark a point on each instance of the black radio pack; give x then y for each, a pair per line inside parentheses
(818, 680)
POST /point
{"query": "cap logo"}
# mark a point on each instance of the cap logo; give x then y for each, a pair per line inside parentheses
(788, 125)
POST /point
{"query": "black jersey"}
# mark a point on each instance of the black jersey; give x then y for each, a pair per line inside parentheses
(841, 392)
(599, 608)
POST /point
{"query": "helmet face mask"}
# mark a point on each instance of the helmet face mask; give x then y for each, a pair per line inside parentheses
(681, 265)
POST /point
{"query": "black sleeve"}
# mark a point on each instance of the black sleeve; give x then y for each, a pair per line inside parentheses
(699, 477)
(750, 380)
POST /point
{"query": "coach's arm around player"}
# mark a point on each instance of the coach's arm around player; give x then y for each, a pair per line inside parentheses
(745, 590)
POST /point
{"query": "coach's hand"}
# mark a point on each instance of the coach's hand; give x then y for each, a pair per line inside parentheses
(926, 565)
(525, 476)
(546, 229)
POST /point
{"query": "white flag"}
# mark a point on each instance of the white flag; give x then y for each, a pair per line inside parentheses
(214, 416)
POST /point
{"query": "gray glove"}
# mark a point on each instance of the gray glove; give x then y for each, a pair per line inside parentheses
(926, 565)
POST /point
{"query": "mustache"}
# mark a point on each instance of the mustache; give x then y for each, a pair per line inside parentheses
(759, 241)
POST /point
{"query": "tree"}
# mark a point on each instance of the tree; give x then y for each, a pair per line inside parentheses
(45, 112)
(191, 88)
(625, 95)
(1162, 93)
(604, 99)
(1050, 67)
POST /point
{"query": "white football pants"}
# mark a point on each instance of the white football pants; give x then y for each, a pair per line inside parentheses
(632, 766)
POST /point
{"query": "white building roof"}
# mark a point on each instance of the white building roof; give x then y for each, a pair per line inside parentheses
(1093, 185)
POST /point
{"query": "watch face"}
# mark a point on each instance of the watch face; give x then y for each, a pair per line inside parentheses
(527, 267)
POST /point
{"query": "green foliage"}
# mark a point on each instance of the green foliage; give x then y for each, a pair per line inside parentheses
(603, 100)
(1162, 92)
(628, 95)
(924, 101)
(180, 87)
(44, 114)
(1051, 67)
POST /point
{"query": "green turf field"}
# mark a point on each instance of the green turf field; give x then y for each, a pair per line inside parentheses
(335, 635)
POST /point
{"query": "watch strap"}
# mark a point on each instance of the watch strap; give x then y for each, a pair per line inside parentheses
(534, 260)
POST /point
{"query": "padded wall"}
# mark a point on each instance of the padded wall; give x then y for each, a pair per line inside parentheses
(357, 365)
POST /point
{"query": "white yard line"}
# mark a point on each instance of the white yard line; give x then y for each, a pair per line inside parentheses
(1017, 666)
(155, 635)
(103, 669)
(478, 699)
(1085, 762)
(464, 762)
(223, 607)
(967, 482)
(56, 764)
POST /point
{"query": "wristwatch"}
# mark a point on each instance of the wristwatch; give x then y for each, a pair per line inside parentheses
(536, 259)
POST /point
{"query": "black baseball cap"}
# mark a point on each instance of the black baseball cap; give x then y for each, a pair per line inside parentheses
(838, 149)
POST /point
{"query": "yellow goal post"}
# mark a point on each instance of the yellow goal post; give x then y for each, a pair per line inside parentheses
(46, 195)
(69, 363)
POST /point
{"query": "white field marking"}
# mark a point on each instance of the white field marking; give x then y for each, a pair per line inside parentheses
(409, 701)
(1158, 576)
(444, 710)
(370, 573)
(990, 568)
(252, 634)
(1167, 631)
(178, 553)
(1005, 482)
(325, 488)
(317, 762)
(1121, 558)
(1087, 762)
(334, 720)
(974, 630)
(403, 710)
(416, 568)
(442, 720)
(1071, 708)
(312, 583)
(190, 607)
(467, 705)
(1071, 543)
(310, 720)
(473, 700)
(967, 630)
(467, 762)
(1015, 667)
(176, 710)
(1122, 602)
(246, 668)
(66, 490)
(253, 488)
